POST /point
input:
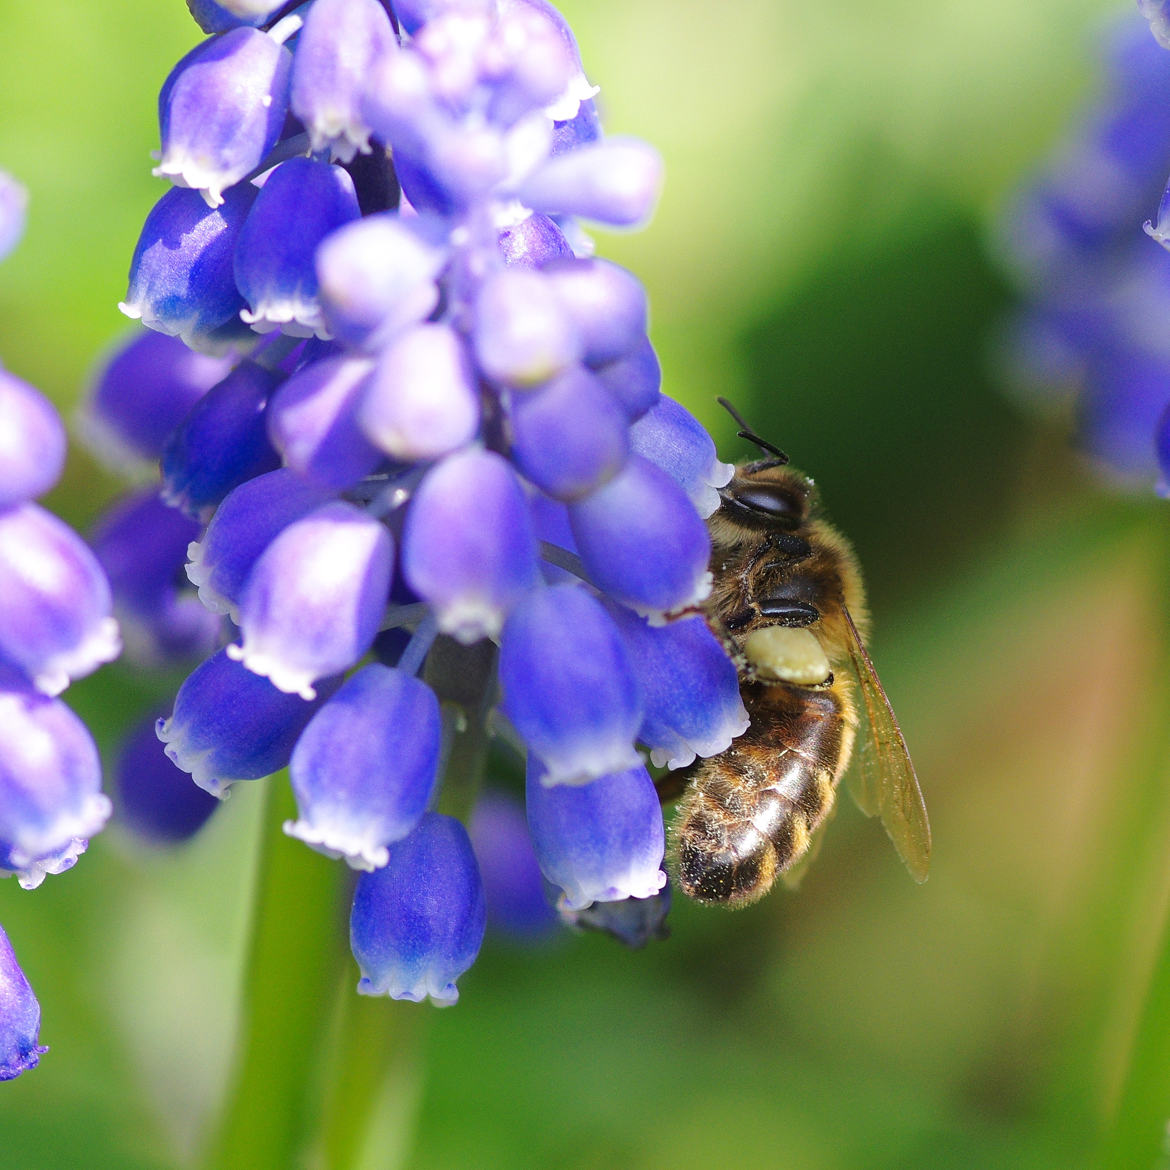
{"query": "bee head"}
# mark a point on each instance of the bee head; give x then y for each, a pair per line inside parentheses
(768, 494)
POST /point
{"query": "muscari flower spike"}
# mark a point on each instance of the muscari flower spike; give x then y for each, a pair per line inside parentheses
(481, 485)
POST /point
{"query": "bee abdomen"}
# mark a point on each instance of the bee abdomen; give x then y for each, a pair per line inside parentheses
(732, 843)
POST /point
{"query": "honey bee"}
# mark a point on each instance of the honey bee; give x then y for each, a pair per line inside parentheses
(789, 604)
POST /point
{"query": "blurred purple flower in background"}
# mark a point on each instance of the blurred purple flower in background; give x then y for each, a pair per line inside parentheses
(1091, 333)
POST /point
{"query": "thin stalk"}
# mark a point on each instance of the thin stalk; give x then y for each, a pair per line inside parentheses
(374, 1083)
(285, 1013)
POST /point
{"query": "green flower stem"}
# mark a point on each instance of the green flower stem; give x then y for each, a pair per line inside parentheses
(297, 950)
(374, 1084)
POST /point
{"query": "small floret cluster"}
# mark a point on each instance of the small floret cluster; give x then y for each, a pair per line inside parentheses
(1097, 289)
(431, 488)
(55, 625)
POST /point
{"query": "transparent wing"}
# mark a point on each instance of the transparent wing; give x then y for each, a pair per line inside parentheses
(884, 783)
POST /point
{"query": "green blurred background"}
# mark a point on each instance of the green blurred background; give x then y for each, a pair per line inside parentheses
(821, 257)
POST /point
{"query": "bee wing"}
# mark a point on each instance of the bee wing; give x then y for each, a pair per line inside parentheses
(885, 783)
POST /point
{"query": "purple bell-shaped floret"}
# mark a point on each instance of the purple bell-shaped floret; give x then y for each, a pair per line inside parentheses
(418, 922)
(568, 686)
(181, 279)
(51, 801)
(366, 766)
(339, 43)
(221, 111)
(55, 606)
(468, 545)
(231, 724)
(599, 842)
(315, 597)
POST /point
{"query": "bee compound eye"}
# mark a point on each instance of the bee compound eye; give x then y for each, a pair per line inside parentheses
(767, 500)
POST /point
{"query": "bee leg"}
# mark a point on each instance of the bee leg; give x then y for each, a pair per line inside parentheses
(789, 611)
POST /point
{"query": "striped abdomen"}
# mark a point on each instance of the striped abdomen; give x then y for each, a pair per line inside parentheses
(749, 813)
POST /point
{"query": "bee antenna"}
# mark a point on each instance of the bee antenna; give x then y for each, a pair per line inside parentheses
(746, 432)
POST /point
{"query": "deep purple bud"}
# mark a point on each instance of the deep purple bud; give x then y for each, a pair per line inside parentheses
(157, 801)
(221, 110)
(689, 685)
(55, 621)
(568, 685)
(633, 921)
(230, 724)
(313, 420)
(599, 842)
(20, 1017)
(50, 786)
(468, 546)
(181, 279)
(569, 436)
(422, 400)
(606, 303)
(512, 881)
(417, 923)
(673, 439)
(301, 202)
(13, 202)
(634, 381)
(241, 529)
(524, 335)
(615, 181)
(534, 241)
(222, 443)
(642, 541)
(32, 441)
(315, 597)
(142, 393)
(366, 766)
(339, 43)
(142, 545)
(377, 276)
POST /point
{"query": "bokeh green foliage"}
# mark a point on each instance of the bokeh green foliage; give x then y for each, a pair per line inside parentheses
(821, 257)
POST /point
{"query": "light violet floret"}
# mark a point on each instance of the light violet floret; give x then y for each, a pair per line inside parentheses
(221, 110)
(598, 842)
(340, 41)
(50, 786)
(315, 597)
(56, 622)
(422, 399)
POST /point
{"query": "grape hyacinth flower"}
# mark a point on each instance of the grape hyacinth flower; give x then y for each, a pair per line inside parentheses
(463, 506)
(1095, 288)
(56, 625)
